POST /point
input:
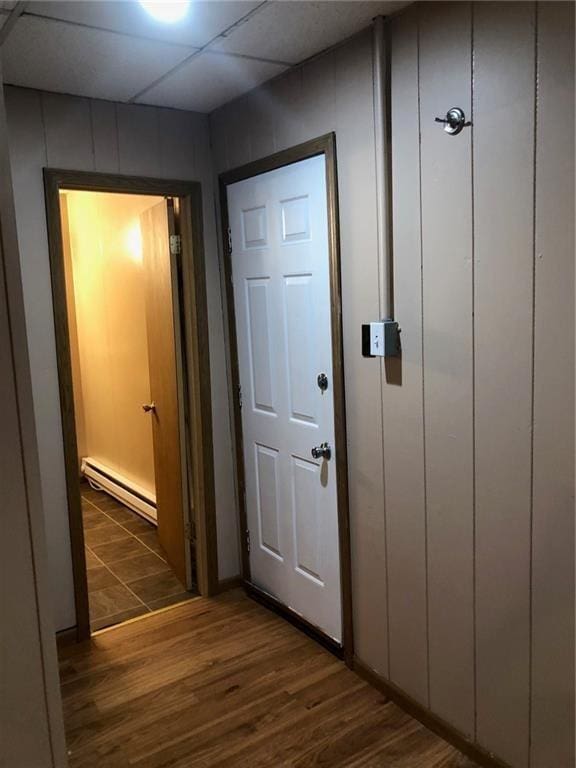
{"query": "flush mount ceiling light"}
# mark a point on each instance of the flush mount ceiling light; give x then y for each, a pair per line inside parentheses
(167, 11)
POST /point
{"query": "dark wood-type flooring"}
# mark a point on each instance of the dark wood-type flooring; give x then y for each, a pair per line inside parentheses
(128, 574)
(225, 683)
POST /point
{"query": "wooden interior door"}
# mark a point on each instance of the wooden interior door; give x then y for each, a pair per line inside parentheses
(157, 225)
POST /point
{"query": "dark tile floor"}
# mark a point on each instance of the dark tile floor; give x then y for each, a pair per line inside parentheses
(128, 574)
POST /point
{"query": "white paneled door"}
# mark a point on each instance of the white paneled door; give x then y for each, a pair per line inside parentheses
(280, 265)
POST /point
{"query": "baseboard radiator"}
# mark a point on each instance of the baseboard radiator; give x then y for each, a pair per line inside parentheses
(129, 493)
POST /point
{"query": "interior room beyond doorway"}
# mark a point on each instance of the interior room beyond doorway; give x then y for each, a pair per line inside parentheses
(123, 326)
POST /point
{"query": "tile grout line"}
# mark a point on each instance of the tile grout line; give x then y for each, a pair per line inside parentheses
(110, 569)
(126, 529)
(121, 582)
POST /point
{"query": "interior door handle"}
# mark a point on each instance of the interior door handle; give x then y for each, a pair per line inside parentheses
(321, 451)
(147, 407)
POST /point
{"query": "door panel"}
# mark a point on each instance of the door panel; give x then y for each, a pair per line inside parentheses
(298, 298)
(257, 301)
(268, 509)
(280, 264)
(156, 225)
(307, 532)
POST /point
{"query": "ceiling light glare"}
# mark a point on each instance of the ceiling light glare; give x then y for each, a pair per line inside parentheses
(167, 11)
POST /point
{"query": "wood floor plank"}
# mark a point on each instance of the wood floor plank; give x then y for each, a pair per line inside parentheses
(225, 683)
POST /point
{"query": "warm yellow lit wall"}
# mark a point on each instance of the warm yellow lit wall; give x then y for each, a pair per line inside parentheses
(73, 332)
(109, 296)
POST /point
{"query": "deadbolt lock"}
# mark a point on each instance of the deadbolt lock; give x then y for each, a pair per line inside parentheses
(322, 451)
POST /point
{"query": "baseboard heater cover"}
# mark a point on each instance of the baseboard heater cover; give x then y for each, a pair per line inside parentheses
(135, 497)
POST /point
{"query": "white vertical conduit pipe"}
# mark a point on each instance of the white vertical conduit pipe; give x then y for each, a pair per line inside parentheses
(381, 141)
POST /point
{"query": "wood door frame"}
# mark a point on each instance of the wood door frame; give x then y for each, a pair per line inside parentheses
(196, 359)
(323, 145)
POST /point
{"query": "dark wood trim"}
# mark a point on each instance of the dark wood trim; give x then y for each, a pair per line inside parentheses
(324, 145)
(235, 385)
(57, 178)
(225, 585)
(197, 348)
(66, 637)
(294, 618)
(198, 361)
(427, 718)
(61, 330)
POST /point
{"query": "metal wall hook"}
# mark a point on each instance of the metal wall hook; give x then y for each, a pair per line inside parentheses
(454, 121)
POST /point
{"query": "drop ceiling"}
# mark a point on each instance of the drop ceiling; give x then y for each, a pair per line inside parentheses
(113, 50)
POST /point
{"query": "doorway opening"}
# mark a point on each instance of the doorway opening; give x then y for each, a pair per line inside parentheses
(130, 316)
(122, 304)
(284, 309)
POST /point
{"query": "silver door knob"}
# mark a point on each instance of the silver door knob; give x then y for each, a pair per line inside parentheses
(147, 407)
(321, 451)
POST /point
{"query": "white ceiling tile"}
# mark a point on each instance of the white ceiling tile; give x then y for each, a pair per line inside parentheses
(205, 20)
(294, 30)
(57, 57)
(209, 80)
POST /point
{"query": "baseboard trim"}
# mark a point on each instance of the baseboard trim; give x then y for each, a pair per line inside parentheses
(224, 585)
(427, 718)
(132, 495)
(66, 637)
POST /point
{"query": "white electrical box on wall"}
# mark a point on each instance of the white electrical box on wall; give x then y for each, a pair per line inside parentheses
(381, 339)
(377, 339)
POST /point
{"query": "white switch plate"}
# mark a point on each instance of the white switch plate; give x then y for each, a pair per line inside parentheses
(377, 339)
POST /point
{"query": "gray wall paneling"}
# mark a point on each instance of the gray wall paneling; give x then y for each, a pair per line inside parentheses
(461, 463)
(446, 172)
(69, 132)
(334, 93)
(403, 398)
(552, 690)
(31, 714)
(463, 579)
(504, 46)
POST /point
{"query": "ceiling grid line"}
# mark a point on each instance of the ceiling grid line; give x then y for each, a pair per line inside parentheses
(225, 33)
(221, 50)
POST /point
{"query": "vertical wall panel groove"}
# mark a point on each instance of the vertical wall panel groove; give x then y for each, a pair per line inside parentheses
(533, 329)
(445, 45)
(32, 729)
(105, 136)
(422, 346)
(28, 155)
(68, 131)
(503, 163)
(138, 140)
(353, 122)
(473, 402)
(403, 417)
(552, 693)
